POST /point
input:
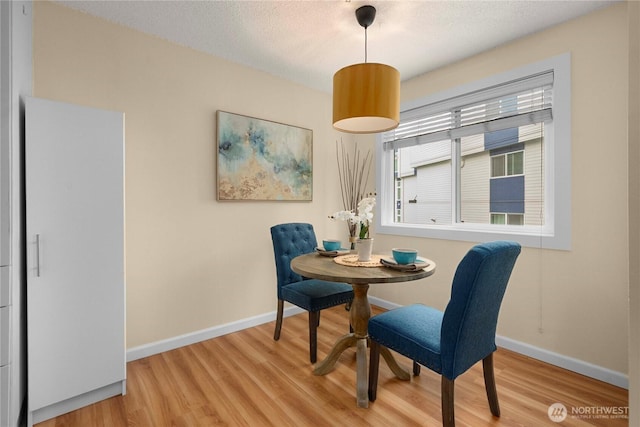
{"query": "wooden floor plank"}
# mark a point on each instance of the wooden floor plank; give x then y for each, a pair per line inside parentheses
(248, 379)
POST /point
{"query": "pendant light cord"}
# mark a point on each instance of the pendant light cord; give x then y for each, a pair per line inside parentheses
(365, 45)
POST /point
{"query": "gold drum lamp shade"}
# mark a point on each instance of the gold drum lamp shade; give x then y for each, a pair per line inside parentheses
(366, 97)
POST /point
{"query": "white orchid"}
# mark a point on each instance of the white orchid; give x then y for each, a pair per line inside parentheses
(345, 216)
(363, 216)
(365, 209)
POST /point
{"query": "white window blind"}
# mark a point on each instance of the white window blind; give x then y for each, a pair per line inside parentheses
(516, 103)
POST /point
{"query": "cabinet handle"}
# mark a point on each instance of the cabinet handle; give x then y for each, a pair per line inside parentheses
(37, 255)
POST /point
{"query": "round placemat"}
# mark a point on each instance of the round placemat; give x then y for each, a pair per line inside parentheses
(352, 261)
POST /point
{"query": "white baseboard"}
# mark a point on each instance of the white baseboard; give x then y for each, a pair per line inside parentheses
(205, 334)
(576, 365)
(618, 379)
(579, 366)
(76, 402)
(383, 303)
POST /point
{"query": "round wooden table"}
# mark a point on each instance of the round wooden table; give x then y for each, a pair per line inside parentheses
(320, 267)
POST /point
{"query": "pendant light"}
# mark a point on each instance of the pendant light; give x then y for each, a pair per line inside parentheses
(366, 96)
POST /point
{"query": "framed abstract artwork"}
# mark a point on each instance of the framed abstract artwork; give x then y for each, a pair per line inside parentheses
(263, 160)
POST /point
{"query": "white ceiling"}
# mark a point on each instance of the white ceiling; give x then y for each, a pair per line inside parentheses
(308, 41)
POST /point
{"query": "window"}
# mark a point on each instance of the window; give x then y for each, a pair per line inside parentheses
(490, 160)
(507, 218)
(507, 164)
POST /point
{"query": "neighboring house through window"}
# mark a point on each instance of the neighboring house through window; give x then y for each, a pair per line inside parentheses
(485, 161)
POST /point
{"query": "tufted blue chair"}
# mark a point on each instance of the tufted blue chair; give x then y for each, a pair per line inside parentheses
(450, 343)
(289, 241)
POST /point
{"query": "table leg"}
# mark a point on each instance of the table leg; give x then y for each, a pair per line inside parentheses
(326, 365)
(400, 372)
(362, 376)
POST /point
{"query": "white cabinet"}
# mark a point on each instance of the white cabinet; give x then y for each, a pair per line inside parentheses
(5, 289)
(74, 178)
(5, 315)
(4, 391)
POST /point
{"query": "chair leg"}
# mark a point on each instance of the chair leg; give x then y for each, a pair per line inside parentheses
(313, 335)
(374, 364)
(347, 307)
(448, 415)
(490, 385)
(276, 334)
(416, 368)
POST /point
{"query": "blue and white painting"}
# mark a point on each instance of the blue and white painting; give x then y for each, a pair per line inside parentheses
(263, 160)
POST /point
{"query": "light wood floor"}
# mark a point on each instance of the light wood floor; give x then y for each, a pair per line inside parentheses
(248, 379)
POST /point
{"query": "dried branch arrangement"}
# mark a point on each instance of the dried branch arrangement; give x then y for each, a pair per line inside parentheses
(353, 171)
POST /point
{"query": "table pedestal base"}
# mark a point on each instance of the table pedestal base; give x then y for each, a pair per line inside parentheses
(360, 313)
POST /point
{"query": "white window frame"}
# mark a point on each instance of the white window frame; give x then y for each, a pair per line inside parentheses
(556, 232)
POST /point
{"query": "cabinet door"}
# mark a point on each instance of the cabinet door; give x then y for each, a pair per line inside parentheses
(74, 173)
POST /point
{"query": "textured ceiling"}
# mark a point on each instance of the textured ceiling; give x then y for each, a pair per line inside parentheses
(308, 41)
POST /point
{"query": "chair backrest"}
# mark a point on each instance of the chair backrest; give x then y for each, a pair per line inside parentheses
(470, 319)
(289, 241)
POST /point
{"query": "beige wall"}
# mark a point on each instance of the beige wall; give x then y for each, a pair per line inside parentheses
(570, 302)
(192, 262)
(187, 254)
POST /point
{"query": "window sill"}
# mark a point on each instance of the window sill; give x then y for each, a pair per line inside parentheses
(533, 237)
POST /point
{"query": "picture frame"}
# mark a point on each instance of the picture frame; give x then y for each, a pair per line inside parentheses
(260, 159)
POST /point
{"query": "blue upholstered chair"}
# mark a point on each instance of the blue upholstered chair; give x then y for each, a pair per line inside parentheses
(450, 343)
(289, 241)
